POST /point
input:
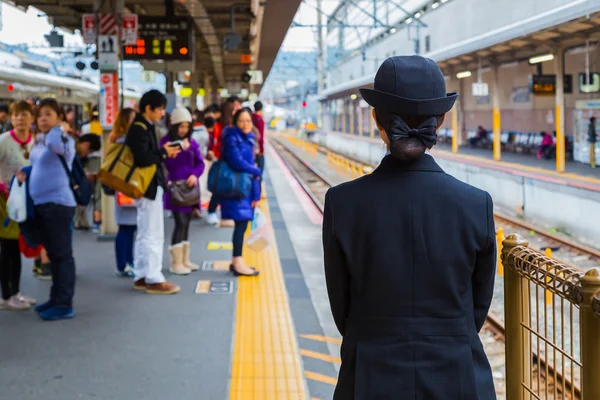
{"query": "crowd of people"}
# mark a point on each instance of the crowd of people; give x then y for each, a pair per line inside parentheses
(42, 146)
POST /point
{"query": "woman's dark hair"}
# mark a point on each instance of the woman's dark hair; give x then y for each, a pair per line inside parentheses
(154, 99)
(174, 132)
(405, 149)
(238, 113)
(227, 114)
(50, 103)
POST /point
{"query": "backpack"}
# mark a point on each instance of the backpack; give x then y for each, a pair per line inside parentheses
(78, 181)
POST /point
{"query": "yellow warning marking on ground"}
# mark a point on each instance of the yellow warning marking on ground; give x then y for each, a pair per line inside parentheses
(202, 287)
(266, 360)
(219, 246)
(222, 265)
(314, 376)
(319, 338)
(320, 356)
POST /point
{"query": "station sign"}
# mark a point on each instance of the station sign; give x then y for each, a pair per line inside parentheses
(480, 89)
(109, 98)
(589, 83)
(129, 29)
(88, 30)
(160, 38)
(256, 77)
(546, 84)
(108, 57)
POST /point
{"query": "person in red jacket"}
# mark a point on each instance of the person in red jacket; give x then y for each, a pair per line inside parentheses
(259, 123)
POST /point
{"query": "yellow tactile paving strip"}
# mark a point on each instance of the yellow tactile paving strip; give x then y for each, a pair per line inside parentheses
(266, 359)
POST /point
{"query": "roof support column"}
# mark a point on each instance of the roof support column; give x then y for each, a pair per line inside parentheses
(560, 109)
(194, 84)
(108, 226)
(371, 125)
(360, 120)
(344, 119)
(496, 112)
(352, 109)
(461, 112)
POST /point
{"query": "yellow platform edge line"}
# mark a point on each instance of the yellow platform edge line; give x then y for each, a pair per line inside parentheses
(320, 356)
(266, 359)
(325, 339)
(320, 378)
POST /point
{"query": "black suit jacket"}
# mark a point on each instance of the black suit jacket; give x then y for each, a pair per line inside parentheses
(141, 139)
(410, 257)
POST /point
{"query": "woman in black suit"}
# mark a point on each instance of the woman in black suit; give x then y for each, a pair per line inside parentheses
(410, 256)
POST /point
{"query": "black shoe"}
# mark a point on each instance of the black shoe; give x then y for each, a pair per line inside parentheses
(43, 272)
(236, 273)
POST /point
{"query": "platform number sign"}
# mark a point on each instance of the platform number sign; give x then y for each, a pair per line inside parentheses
(160, 38)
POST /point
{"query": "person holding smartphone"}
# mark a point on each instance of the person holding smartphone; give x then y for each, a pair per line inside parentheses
(148, 249)
(187, 166)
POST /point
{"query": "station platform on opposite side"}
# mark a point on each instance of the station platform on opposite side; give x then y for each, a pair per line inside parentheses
(221, 337)
(370, 151)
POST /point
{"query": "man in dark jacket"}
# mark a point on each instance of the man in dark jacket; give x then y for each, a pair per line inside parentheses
(410, 256)
(149, 241)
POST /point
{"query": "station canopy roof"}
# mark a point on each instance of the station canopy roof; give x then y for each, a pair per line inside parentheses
(535, 36)
(568, 35)
(261, 25)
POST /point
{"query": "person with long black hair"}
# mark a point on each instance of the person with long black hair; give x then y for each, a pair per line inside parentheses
(187, 166)
(238, 152)
(410, 255)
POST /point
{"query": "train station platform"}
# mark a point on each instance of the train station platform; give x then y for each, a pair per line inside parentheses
(221, 337)
(370, 151)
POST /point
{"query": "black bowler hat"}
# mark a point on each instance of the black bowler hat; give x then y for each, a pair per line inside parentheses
(410, 85)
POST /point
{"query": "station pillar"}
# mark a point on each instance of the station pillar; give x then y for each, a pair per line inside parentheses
(344, 110)
(360, 121)
(109, 104)
(497, 146)
(455, 128)
(352, 110)
(371, 126)
(560, 109)
(194, 84)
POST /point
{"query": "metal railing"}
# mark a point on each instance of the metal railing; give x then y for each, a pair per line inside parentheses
(552, 326)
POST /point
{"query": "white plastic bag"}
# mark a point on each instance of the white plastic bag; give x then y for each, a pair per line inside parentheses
(260, 232)
(17, 201)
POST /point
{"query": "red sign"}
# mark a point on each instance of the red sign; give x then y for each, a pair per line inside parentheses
(109, 98)
(130, 29)
(89, 28)
(108, 25)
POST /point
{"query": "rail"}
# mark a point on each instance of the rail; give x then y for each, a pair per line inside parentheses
(551, 312)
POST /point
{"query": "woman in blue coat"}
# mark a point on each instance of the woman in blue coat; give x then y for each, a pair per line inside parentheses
(238, 144)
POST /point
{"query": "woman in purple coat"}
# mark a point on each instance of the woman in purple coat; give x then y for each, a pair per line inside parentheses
(187, 166)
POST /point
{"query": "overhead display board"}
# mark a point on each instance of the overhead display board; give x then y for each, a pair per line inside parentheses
(546, 84)
(161, 38)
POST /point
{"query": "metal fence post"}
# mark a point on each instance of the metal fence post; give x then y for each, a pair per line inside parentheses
(516, 306)
(590, 332)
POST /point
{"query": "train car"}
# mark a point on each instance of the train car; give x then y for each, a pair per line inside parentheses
(77, 94)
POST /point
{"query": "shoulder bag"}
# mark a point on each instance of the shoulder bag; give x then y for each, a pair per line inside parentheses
(226, 183)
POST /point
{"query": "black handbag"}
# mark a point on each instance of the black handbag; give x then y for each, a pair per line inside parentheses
(184, 196)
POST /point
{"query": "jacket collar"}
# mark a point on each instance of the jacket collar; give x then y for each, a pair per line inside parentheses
(424, 163)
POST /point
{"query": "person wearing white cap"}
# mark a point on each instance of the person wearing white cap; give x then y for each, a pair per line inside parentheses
(182, 170)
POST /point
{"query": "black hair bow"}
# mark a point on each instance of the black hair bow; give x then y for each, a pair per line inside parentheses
(426, 131)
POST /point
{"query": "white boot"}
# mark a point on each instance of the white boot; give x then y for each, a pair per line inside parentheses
(177, 266)
(186, 257)
(212, 219)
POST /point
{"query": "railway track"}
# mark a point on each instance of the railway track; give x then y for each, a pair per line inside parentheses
(315, 184)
